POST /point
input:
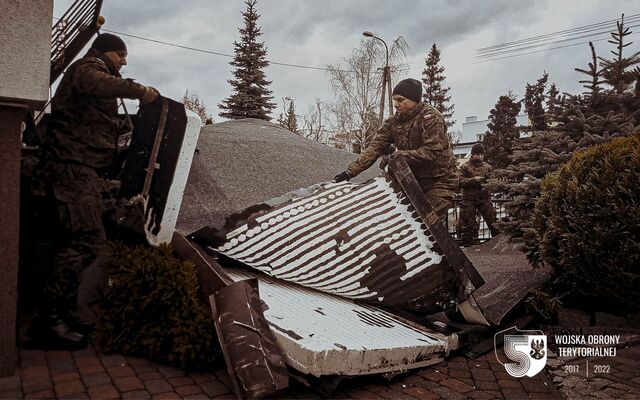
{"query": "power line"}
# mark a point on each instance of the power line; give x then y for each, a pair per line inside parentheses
(548, 39)
(539, 51)
(551, 40)
(529, 52)
(169, 44)
(566, 32)
(519, 49)
(216, 53)
(531, 42)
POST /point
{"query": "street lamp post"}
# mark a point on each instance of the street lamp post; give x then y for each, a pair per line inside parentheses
(386, 77)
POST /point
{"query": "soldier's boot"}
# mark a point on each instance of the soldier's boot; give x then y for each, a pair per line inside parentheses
(79, 325)
(51, 330)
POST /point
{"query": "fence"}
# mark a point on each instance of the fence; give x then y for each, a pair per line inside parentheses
(483, 231)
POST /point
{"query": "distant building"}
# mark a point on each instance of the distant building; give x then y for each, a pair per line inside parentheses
(462, 150)
(473, 131)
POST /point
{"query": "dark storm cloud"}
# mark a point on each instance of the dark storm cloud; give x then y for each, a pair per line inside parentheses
(318, 33)
(418, 21)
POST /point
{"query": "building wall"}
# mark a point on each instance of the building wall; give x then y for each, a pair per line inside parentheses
(473, 131)
(462, 150)
(25, 45)
(472, 128)
(10, 121)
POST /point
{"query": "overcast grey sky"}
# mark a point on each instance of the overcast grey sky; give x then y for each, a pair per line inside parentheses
(319, 33)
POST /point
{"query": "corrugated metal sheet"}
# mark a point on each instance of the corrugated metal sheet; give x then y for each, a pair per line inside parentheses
(361, 241)
(322, 334)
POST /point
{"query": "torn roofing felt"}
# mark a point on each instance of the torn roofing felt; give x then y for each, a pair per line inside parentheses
(248, 161)
(361, 241)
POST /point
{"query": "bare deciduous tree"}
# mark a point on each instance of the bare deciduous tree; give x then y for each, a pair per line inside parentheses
(314, 122)
(356, 84)
(192, 102)
(455, 136)
(288, 119)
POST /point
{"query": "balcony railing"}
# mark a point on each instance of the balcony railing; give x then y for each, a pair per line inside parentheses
(453, 220)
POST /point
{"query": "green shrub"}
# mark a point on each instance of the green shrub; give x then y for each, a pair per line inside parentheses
(150, 308)
(588, 223)
(542, 304)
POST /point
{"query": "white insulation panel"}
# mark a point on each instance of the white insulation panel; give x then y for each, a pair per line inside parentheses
(323, 334)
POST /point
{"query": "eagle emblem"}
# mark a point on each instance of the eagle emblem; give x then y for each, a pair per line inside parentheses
(537, 349)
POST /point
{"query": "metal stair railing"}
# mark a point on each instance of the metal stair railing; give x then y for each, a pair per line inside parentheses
(68, 37)
(71, 33)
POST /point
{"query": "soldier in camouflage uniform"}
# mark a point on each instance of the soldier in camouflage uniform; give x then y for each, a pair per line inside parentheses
(419, 133)
(474, 197)
(80, 144)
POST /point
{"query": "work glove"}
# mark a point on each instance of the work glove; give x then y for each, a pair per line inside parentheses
(385, 160)
(342, 176)
(150, 95)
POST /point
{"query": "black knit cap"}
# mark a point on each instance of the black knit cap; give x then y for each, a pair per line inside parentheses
(410, 89)
(477, 148)
(107, 42)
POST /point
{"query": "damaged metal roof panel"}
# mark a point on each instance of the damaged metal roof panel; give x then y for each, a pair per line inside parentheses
(322, 334)
(361, 241)
(158, 163)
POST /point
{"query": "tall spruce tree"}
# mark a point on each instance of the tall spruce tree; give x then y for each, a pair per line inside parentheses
(592, 117)
(534, 103)
(594, 83)
(435, 93)
(618, 71)
(292, 121)
(601, 110)
(251, 97)
(289, 120)
(553, 100)
(622, 74)
(498, 141)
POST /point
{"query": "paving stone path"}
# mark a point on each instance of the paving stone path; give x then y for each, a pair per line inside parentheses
(87, 374)
(609, 377)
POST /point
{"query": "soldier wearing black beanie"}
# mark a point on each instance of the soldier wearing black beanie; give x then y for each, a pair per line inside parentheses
(107, 42)
(419, 134)
(477, 149)
(79, 144)
(475, 197)
(410, 89)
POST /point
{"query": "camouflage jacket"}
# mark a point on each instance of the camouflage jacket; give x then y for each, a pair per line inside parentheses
(473, 175)
(421, 137)
(84, 125)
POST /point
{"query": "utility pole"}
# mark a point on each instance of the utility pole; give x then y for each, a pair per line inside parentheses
(386, 78)
(389, 89)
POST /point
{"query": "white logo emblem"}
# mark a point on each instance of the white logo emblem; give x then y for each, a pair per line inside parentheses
(528, 350)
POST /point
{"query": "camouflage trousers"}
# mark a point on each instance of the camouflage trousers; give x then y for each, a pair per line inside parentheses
(472, 204)
(76, 190)
(440, 200)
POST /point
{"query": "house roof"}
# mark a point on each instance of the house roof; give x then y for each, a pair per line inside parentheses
(240, 163)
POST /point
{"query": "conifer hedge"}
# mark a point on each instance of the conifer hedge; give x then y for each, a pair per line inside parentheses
(150, 308)
(588, 224)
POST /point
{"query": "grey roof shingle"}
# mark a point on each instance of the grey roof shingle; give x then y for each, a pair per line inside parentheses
(245, 162)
